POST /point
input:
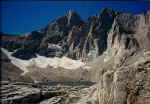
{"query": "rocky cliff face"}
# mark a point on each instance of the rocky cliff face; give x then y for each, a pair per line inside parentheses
(122, 72)
(127, 53)
(70, 36)
(67, 36)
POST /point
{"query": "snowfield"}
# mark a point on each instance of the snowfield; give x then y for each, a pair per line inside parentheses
(43, 62)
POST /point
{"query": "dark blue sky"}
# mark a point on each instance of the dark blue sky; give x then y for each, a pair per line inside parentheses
(24, 17)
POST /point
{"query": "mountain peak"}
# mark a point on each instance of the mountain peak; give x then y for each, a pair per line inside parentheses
(69, 19)
(110, 11)
(77, 44)
(71, 12)
(107, 9)
(73, 18)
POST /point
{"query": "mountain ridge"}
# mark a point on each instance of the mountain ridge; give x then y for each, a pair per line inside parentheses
(75, 38)
(81, 19)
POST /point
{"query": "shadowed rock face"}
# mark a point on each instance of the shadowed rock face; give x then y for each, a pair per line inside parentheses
(8, 70)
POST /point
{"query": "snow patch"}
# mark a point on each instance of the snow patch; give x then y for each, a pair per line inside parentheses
(86, 67)
(63, 62)
(43, 62)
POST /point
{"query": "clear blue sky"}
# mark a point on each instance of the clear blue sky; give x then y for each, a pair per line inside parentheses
(24, 17)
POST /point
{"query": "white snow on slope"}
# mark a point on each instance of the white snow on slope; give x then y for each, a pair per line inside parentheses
(43, 62)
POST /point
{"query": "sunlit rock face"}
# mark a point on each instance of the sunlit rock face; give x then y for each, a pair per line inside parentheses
(123, 69)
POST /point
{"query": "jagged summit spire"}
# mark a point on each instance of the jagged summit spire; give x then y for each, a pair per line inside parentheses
(69, 19)
(71, 13)
(110, 11)
(107, 9)
(73, 18)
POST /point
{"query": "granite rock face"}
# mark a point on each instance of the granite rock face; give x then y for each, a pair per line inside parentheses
(122, 72)
(19, 93)
(68, 35)
(27, 93)
(126, 84)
